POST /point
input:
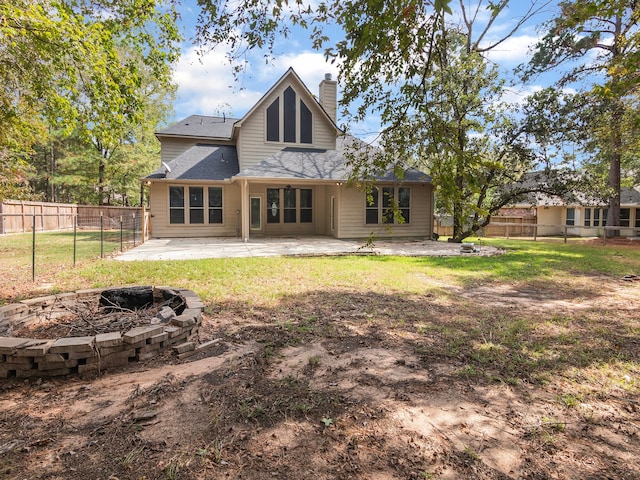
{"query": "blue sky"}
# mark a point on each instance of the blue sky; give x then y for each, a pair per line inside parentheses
(206, 84)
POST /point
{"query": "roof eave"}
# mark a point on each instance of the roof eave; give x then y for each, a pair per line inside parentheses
(194, 137)
(290, 71)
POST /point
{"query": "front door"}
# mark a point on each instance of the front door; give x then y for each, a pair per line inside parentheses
(256, 214)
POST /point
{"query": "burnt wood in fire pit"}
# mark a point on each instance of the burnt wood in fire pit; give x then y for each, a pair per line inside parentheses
(131, 298)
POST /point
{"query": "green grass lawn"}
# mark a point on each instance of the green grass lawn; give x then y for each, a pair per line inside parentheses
(55, 251)
(393, 293)
(551, 324)
(266, 279)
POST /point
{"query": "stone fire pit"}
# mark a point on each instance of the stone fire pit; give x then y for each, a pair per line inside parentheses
(176, 318)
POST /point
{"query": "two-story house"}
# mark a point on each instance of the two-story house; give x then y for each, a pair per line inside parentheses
(280, 170)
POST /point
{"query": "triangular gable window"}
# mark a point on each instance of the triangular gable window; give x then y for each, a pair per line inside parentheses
(294, 120)
(273, 121)
(289, 115)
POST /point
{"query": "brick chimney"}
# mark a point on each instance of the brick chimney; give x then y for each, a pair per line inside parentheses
(329, 96)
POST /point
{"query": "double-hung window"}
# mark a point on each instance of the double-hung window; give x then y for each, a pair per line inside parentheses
(625, 217)
(372, 207)
(215, 204)
(176, 204)
(571, 217)
(384, 204)
(194, 203)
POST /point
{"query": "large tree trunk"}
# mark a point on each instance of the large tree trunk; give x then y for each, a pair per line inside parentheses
(613, 214)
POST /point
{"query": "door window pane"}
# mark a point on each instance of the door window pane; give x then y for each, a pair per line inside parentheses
(273, 205)
(306, 209)
(256, 220)
(289, 205)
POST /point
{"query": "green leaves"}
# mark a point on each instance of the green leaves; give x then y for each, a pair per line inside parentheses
(78, 66)
(599, 41)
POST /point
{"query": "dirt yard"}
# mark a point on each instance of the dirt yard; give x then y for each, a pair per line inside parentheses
(338, 384)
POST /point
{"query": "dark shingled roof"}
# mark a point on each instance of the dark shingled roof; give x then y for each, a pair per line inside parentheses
(201, 126)
(201, 162)
(295, 163)
(630, 196)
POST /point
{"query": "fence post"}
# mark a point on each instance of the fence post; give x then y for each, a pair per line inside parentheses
(75, 238)
(121, 234)
(134, 228)
(101, 237)
(33, 250)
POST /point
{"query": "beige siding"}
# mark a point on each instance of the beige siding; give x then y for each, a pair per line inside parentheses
(252, 145)
(172, 147)
(352, 215)
(159, 207)
(550, 219)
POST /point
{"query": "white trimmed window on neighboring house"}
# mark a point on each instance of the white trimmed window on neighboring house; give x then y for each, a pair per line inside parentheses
(571, 217)
(625, 217)
(595, 217)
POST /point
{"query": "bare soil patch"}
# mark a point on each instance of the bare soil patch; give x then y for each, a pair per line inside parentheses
(507, 382)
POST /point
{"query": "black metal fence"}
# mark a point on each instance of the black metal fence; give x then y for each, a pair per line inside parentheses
(84, 237)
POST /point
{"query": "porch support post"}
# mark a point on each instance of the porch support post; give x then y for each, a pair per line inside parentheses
(244, 210)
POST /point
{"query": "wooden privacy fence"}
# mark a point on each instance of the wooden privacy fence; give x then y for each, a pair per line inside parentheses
(18, 216)
(500, 226)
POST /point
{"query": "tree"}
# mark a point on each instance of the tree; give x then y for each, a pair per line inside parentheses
(426, 77)
(480, 155)
(598, 41)
(77, 65)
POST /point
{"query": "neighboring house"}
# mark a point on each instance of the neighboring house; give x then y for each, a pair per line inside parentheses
(585, 218)
(279, 170)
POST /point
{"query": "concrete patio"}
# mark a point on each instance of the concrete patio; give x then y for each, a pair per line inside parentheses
(196, 248)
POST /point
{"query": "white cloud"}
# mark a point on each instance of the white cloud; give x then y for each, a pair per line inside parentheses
(310, 67)
(517, 96)
(206, 86)
(513, 50)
